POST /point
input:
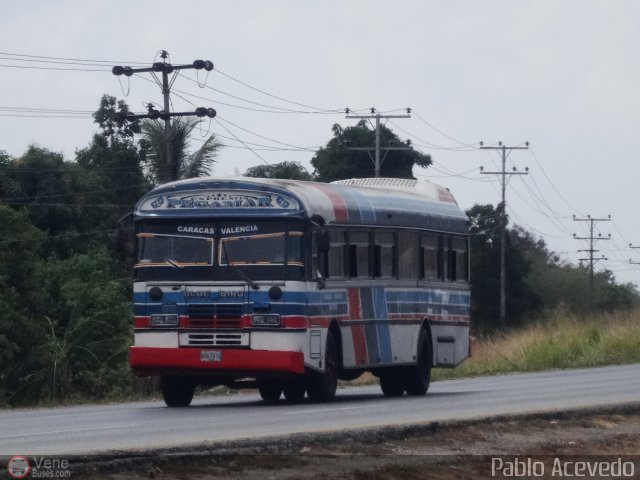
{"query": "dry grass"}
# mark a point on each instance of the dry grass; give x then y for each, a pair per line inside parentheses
(559, 340)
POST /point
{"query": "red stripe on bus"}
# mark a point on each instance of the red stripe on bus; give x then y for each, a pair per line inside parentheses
(357, 331)
(339, 205)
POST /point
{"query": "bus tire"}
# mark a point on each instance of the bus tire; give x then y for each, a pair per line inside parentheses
(270, 391)
(177, 391)
(418, 378)
(322, 386)
(294, 390)
(392, 384)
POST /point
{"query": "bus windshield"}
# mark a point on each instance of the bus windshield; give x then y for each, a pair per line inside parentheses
(176, 251)
(263, 249)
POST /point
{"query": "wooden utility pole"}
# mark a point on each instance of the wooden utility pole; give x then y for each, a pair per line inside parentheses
(503, 217)
(592, 239)
(377, 161)
(165, 68)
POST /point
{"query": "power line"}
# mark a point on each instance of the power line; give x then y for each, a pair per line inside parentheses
(69, 59)
(56, 68)
(443, 133)
(249, 148)
(331, 110)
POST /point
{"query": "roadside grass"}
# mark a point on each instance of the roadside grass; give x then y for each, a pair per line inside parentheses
(559, 340)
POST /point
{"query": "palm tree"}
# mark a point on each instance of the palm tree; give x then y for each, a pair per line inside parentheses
(180, 164)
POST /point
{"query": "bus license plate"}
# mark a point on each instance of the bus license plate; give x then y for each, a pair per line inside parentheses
(210, 356)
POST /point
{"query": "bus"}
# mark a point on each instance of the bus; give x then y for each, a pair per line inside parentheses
(289, 286)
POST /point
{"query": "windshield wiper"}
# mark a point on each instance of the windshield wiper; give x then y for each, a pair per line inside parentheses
(236, 269)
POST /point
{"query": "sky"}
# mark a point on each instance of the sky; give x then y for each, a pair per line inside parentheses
(564, 76)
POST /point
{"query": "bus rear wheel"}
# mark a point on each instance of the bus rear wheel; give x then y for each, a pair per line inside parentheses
(418, 378)
(294, 390)
(270, 391)
(392, 385)
(322, 386)
(177, 391)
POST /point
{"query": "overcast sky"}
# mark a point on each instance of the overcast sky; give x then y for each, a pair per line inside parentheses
(563, 75)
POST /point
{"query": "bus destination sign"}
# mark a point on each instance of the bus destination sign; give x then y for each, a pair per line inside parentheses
(218, 200)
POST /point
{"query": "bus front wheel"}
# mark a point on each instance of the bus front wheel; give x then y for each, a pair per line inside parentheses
(270, 391)
(321, 386)
(177, 391)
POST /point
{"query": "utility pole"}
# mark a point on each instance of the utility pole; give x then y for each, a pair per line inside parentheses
(592, 239)
(503, 217)
(165, 84)
(377, 161)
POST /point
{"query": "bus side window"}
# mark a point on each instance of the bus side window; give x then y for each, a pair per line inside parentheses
(459, 257)
(430, 257)
(408, 260)
(336, 256)
(445, 259)
(383, 255)
(359, 255)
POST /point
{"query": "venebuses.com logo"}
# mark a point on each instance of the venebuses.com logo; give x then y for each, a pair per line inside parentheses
(18, 467)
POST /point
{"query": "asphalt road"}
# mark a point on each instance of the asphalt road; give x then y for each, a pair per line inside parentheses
(144, 425)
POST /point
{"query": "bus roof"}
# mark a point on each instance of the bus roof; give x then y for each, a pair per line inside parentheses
(392, 202)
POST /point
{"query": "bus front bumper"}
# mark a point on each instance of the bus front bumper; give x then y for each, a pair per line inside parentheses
(214, 362)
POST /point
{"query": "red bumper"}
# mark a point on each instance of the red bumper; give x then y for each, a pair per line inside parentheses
(156, 361)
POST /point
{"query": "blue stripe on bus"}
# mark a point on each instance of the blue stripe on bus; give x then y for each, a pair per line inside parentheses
(384, 337)
(370, 328)
(367, 213)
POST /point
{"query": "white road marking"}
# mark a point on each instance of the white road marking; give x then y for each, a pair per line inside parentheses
(333, 409)
(33, 434)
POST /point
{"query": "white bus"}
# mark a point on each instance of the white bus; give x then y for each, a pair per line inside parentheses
(288, 286)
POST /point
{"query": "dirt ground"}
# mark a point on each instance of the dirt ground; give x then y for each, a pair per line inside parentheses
(436, 451)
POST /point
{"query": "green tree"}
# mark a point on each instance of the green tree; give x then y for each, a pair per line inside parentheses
(290, 170)
(112, 170)
(181, 163)
(522, 301)
(20, 335)
(336, 162)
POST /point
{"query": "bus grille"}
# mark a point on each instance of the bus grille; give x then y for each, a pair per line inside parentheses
(192, 339)
(215, 315)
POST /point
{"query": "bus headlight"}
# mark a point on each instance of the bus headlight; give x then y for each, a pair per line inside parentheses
(164, 320)
(265, 320)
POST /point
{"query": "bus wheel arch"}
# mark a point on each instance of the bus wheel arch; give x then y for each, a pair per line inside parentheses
(334, 329)
(321, 386)
(426, 327)
(418, 377)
